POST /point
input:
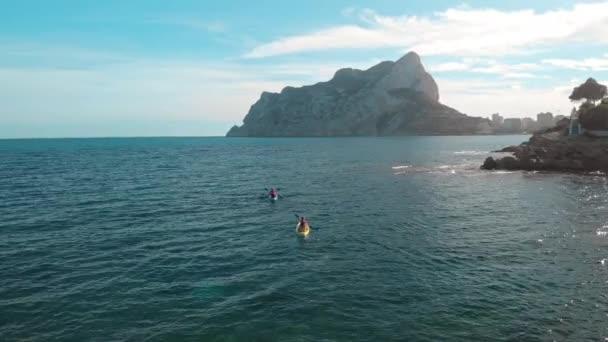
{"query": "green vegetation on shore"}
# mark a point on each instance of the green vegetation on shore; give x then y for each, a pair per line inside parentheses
(593, 112)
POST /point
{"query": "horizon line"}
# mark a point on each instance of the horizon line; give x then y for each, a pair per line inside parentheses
(116, 137)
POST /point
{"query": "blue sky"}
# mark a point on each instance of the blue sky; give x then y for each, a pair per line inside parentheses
(140, 68)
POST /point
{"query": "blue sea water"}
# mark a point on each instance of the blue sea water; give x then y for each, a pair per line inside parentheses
(168, 239)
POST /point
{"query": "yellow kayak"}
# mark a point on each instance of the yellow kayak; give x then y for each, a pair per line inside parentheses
(301, 232)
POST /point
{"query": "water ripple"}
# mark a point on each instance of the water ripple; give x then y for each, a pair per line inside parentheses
(169, 239)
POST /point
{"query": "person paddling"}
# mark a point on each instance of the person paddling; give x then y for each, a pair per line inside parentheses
(273, 193)
(303, 225)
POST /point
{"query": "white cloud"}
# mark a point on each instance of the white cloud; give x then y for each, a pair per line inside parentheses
(333, 38)
(348, 12)
(458, 31)
(76, 84)
(148, 89)
(481, 98)
(518, 75)
(137, 91)
(450, 66)
(96, 86)
(482, 66)
(193, 90)
(587, 64)
(499, 68)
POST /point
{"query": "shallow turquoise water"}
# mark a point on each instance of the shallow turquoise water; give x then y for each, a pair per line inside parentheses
(167, 239)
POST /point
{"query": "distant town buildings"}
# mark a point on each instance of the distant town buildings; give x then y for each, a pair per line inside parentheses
(512, 125)
(529, 125)
(523, 125)
(497, 121)
(545, 120)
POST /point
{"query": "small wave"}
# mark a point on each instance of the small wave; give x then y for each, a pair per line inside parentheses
(462, 169)
(448, 168)
(471, 153)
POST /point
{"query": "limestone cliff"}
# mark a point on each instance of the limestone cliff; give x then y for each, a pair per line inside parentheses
(391, 98)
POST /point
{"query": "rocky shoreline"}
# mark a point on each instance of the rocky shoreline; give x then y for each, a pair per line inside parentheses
(554, 150)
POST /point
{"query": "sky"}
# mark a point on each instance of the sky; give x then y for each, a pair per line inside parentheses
(193, 68)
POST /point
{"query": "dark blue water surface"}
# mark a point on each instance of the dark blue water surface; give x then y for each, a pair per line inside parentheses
(167, 239)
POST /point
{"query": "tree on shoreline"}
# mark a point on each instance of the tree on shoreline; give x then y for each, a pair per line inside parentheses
(590, 116)
(590, 91)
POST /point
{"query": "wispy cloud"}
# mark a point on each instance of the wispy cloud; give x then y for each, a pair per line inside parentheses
(214, 26)
(449, 66)
(348, 12)
(138, 90)
(195, 90)
(511, 98)
(481, 66)
(500, 68)
(518, 75)
(587, 64)
(460, 31)
(88, 84)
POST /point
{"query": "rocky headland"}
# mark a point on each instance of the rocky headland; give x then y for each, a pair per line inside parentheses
(554, 150)
(577, 144)
(390, 98)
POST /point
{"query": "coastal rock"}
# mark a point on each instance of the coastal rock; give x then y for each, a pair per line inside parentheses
(390, 98)
(489, 164)
(554, 150)
(509, 149)
(508, 163)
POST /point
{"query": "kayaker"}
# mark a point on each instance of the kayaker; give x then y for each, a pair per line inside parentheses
(303, 224)
(273, 193)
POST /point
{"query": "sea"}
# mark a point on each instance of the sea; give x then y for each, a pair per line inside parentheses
(173, 239)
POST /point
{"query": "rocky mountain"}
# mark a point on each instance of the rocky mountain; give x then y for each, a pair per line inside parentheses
(391, 98)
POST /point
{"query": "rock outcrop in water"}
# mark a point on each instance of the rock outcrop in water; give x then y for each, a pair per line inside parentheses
(554, 150)
(391, 98)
